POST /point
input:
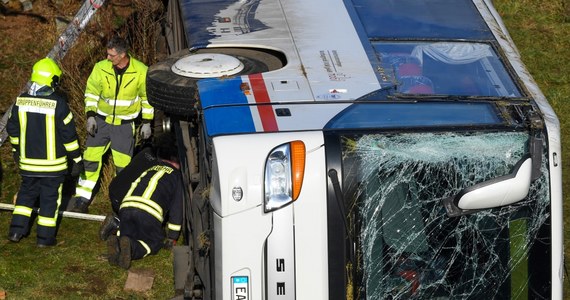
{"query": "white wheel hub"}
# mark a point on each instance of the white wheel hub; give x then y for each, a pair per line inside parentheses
(207, 65)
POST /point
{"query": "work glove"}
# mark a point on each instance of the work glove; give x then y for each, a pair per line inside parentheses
(91, 126)
(77, 168)
(169, 244)
(145, 131)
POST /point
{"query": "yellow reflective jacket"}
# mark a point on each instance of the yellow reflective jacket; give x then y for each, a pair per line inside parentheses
(118, 98)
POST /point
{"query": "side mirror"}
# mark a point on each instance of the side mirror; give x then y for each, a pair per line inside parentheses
(500, 191)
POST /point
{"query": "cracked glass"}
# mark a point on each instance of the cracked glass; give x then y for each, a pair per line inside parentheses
(407, 247)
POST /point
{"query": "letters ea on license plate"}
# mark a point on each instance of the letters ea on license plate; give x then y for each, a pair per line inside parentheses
(240, 288)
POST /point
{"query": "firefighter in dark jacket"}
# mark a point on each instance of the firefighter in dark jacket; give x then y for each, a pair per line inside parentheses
(147, 200)
(44, 140)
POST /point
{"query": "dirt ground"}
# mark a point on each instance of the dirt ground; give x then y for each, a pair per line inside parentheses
(29, 32)
(27, 37)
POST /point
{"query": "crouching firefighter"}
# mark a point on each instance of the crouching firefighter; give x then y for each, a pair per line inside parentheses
(43, 137)
(147, 201)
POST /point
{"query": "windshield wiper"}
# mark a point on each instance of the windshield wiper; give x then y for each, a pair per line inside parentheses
(333, 175)
(459, 97)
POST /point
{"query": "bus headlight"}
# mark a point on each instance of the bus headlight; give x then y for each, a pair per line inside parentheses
(284, 172)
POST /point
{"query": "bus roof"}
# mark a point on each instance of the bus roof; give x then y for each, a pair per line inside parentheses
(207, 21)
(341, 52)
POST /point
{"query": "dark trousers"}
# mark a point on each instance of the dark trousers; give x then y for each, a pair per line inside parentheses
(48, 191)
(145, 232)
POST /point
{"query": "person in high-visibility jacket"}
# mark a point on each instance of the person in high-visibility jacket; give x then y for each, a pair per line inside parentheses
(44, 140)
(147, 202)
(115, 97)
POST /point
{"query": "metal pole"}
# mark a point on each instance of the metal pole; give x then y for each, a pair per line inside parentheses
(59, 50)
(68, 214)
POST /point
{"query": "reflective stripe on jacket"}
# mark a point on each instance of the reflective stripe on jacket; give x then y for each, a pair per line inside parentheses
(118, 97)
(42, 132)
(156, 190)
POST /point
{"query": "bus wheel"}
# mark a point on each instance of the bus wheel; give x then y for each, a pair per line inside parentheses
(171, 83)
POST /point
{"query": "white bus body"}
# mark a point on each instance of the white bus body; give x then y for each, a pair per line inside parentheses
(360, 149)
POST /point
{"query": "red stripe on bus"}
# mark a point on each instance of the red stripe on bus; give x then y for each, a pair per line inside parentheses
(261, 96)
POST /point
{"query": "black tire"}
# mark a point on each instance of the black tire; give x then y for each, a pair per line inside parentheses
(178, 95)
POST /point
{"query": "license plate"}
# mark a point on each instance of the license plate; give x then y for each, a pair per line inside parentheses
(240, 288)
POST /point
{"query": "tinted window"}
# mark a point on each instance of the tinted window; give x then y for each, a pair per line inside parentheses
(442, 19)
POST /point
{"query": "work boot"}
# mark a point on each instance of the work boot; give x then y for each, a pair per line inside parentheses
(113, 250)
(78, 205)
(15, 237)
(125, 255)
(109, 227)
(46, 242)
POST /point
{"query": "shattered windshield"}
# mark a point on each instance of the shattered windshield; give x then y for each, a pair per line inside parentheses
(444, 68)
(409, 248)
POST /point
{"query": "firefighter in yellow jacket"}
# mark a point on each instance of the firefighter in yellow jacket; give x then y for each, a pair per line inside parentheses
(43, 137)
(115, 97)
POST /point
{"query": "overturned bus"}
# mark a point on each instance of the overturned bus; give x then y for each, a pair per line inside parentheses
(359, 149)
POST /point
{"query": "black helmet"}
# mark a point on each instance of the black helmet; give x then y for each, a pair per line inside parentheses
(165, 147)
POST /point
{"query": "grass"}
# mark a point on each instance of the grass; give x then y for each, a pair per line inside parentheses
(540, 29)
(76, 268)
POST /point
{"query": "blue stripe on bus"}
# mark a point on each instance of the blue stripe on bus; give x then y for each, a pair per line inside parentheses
(228, 120)
(215, 91)
(235, 119)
